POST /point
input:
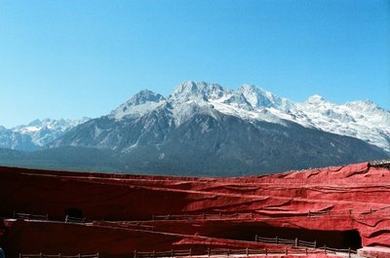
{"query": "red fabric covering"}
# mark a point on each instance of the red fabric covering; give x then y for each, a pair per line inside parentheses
(344, 198)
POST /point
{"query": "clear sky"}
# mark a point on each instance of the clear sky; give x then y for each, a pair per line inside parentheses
(83, 58)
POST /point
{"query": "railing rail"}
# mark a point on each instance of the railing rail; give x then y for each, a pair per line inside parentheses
(301, 243)
(69, 219)
(194, 216)
(22, 215)
(42, 255)
(126, 224)
(170, 253)
(339, 250)
(228, 252)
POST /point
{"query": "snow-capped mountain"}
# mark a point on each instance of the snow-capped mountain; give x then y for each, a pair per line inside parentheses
(359, 119)
(141, 103)
(36, 134)
(205, 128)
(14, 140)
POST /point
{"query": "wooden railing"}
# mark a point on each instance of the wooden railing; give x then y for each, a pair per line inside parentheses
(255, 215)
(219, 215)
(337, 250)
(21, 215)
(230, 252)
(283, 241)
(209, 252)
(69, 219)
(124, 224)
(301, 243)
(41, 255)
(171, 253)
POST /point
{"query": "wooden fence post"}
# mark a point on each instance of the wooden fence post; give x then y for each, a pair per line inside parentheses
(315, 243)
(97, 255)
(59, 255)
(286, 251)
(306, 250)
(135, 254)
(349, 252)
(277, 240)
(20, 255)
(256, 238)
(172, 253)
(154, 253)
(190, 252)
(296, 242)
(40, 255)
(79, 255)
(208, 251)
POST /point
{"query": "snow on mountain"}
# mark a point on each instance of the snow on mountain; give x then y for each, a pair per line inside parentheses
(359, 119)
(197, 92)
(15, 140)
(44, 131)
(260, 98)
(190, 94)
(205, 128)
(141, 103)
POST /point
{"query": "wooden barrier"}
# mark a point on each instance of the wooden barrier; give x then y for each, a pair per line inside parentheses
(69, 219)
(300, 243)
(22, 215)
(201, 216)
(228, 252)
(170, 253)
(41, 255)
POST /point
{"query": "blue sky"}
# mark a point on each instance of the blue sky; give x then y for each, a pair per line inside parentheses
(83, 58)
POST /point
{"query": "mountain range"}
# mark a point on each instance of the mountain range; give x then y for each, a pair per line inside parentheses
(205, 129)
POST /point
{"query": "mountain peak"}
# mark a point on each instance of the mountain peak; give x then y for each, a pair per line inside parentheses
(316, 99)
(366, 103)
(141, 103)
(35, 122)
(258, 97)
(197, 91)
(144, 96)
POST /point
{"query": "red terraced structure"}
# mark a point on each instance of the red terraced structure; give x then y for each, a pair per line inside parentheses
(344, 207)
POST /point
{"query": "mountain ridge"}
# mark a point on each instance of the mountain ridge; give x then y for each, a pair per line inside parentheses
(250, 102)
(205, 128)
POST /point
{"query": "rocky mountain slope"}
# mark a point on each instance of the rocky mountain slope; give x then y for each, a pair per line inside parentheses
(205, 128)
(36, 134)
